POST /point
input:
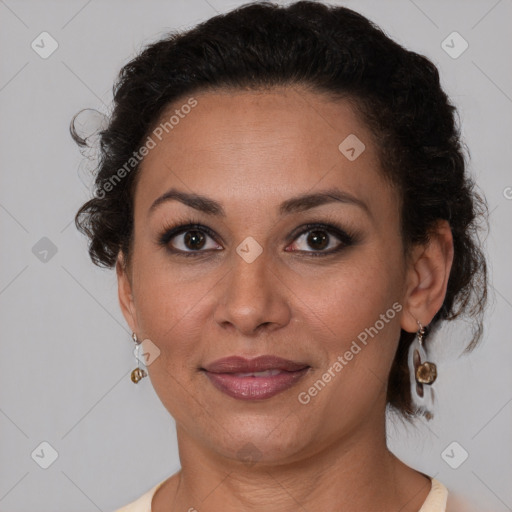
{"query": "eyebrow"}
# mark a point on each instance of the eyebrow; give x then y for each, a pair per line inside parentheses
(296, 204)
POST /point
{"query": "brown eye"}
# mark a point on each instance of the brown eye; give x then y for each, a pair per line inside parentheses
(188, 239)
(318, 239)
(194, 240)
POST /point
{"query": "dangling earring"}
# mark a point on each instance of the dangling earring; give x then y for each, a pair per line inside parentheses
(138, 373)
(422, 374)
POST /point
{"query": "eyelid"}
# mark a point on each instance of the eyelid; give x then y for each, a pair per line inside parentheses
(345, 236)
(175, 229)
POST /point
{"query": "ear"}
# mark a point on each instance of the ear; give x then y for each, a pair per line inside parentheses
(124, 289)
(427, 278)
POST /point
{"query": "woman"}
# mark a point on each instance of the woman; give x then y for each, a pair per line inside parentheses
(283, 193)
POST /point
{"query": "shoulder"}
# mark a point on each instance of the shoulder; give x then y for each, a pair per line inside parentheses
(143, 503)
(436, 499)
(440, 500)
(457, 503)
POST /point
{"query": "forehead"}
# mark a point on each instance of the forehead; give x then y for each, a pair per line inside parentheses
(236, 145)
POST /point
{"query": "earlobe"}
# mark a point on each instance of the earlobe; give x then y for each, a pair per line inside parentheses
(428, 275)
(125, 295)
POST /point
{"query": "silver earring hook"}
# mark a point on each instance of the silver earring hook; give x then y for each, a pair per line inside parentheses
(421, 332)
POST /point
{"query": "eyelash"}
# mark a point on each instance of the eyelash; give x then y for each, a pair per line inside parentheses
(172, 230)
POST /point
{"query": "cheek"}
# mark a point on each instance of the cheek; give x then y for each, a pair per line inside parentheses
(168, 308)
(360, 306)
(354, 297)
(175, 308)
(169, 314)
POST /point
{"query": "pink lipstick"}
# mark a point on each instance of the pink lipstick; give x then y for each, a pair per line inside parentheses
(254, 379)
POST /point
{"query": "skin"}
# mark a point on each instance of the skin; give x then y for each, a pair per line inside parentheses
(250, 151)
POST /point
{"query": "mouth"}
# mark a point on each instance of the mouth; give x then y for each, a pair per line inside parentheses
(254, 379)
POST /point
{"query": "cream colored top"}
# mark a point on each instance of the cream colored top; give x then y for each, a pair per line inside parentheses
(435, 502)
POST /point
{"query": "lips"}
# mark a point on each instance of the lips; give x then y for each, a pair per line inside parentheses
(237, 364)
(254, 379)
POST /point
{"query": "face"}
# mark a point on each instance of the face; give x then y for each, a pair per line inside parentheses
(319, 281)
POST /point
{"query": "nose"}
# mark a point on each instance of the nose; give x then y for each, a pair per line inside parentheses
(253, 297)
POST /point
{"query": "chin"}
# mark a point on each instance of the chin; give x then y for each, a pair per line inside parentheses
(261, 442)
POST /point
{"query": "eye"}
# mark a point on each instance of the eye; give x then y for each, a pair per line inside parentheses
(192, 239)
(322, 239)
(188, 239)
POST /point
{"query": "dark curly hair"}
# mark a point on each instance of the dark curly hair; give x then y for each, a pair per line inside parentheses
(328, 50)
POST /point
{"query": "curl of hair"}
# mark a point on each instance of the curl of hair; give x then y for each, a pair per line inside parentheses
(329, 50)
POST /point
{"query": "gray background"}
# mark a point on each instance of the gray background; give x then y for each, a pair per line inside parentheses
(66, 351)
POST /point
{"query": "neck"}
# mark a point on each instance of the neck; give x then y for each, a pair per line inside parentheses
(357, 472)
